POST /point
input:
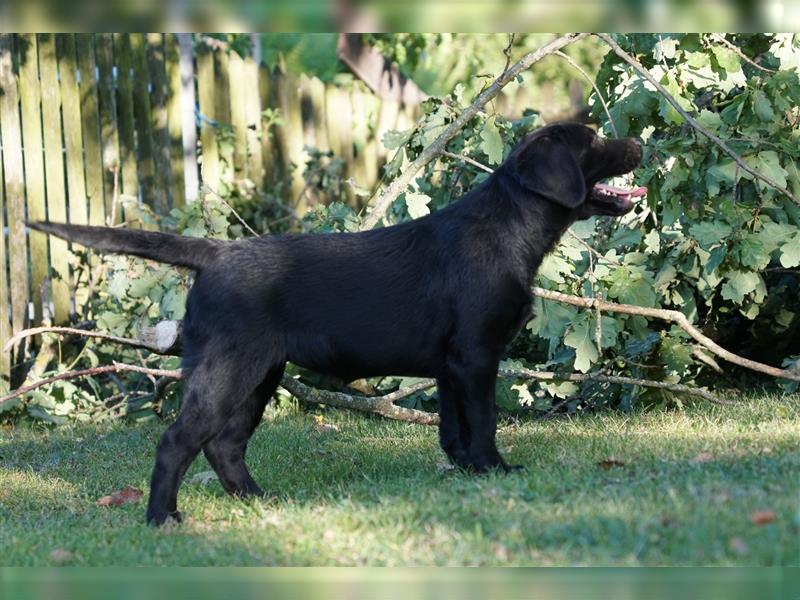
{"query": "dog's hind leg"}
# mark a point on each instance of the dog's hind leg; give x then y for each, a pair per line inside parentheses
(216, 389)
(226, 450)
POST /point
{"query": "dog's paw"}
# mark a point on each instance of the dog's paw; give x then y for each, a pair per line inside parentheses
(514, 468)
(157, 518)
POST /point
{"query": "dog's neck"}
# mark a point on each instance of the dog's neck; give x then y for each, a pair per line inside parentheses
(538, 223)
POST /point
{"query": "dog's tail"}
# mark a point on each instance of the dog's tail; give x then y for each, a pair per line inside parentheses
(170, 248)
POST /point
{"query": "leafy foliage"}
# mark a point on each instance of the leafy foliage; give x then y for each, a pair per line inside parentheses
(709, 240)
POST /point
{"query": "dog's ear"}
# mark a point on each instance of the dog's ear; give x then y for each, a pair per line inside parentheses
(548, 167)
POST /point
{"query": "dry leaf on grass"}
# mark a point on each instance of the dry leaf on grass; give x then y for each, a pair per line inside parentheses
(60, 556)
(738, 546)
(610, 463)
(703, 457)
(203, 478)
(762, 517)
(126, 495)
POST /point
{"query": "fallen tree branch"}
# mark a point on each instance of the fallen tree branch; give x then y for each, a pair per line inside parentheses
(381, 405)
(691, 120)
(522, 373)
(113, 368)
(73, 331)
(673, 316)
(430, 152)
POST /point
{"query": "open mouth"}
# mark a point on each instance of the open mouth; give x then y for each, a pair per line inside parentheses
(616, 201)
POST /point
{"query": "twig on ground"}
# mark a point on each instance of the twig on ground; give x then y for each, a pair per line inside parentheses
(399, 185)
(691, 120)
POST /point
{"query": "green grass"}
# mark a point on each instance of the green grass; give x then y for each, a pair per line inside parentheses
(376, 493)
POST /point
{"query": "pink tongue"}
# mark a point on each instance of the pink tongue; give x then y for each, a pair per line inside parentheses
(633, 193)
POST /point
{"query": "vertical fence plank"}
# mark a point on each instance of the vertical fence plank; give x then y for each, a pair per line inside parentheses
(5, 301)
(222, 110)
(265, 94)
(73, 138)
(238, 88)
(175, 118)
(151, 193)
(252, 108)
(109, 130)
(90, 127)
(387, 118)
(307, 111)
(14, 173)
(371, 160)
(127, 139)
(14, 185)
(30, 99)
(159, 90)
(290, 136)
(208, 138)
(360, 134)
(73, 144)
(54, 174)
(340, 130)
(319, 117)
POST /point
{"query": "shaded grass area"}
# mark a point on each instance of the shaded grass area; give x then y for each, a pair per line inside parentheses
(658, 488)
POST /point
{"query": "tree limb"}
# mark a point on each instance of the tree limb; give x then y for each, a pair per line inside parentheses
(591, 81)
(673, 316)
(382, 405)
(430, 152)
(721, 39)
(690, 120)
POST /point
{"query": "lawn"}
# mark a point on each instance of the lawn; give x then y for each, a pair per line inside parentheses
(706, 485)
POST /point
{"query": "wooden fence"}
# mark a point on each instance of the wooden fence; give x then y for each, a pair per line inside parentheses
(78, 111)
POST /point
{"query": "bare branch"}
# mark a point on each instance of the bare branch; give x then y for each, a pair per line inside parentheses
(594, 85)
(399, 185)
(467, 160)
(72, 331)
(380, 405)
(215, 193)
(114, 368)
(673, 316)
(690, 120)
(721, 39)
(523, 373)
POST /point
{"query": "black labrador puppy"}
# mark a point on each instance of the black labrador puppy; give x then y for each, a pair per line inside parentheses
(440, 296)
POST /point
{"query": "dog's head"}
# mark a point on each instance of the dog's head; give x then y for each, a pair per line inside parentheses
(566, 163)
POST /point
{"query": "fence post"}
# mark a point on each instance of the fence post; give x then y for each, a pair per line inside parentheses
(109, 130)
(127, 139)
(156, 70)
(90, 127)
(175, 100)
(30, 99)
(255, 166)
(54, 174)
(208, 136)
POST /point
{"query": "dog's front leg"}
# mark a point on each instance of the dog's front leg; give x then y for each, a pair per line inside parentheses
(477, 376)
(454, 436)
